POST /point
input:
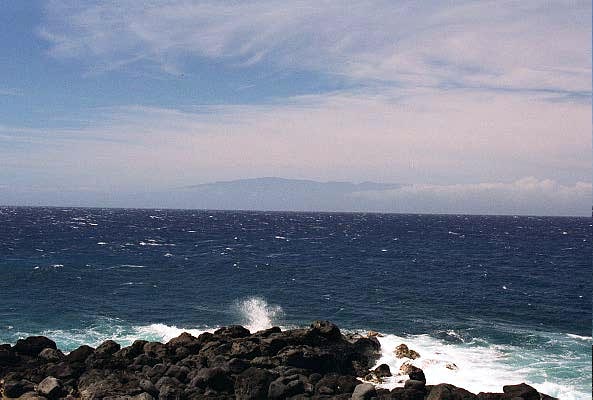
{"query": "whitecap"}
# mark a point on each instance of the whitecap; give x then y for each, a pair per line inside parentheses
(579, 337)
(101, 243)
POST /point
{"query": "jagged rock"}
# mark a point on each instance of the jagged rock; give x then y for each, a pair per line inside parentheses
(307, 357)
(33, 345)
(187, 341)
(284, 387)
(445, 391)
(157, 371)
(61, 370)
(413, 372)
(49, 354)
(80, 354)
(267, 332)
(364, 391)
(32, 396)
(406, 394)
(382, 371)
(50, 387)
(372, 333)
(170, 392)
(107, 348)
(232, 331)
(253, 384)
(177, 372)
(142, 396)
(522, 390)
(237, 365)
(451, 366)
(490, 396)
(335, 383)
(245, 349)
(155, 349)
(132, 351)
(402, 351)
(416, 385)
(94, 384)
(214, 378)
(166, 381)
(326, 329)
(16, 388)
(147, 386)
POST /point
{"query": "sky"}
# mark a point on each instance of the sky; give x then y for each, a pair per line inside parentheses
(486, 100)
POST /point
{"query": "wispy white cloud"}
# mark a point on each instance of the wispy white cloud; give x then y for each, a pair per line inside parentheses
(447, 137)
(524, 196)
(530, 45)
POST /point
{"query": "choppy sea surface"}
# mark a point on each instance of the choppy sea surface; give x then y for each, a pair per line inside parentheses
(506, 299)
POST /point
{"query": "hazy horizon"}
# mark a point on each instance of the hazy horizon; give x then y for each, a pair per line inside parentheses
(291, 195)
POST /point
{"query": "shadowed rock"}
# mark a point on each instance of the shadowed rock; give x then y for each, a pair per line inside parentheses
(33, 345)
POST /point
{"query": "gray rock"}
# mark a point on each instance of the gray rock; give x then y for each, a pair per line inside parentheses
(414, 384)
(50, 387)
(285, 387)
(522, 390)
(148, 387)
(50, 354)
(107, 348)
(32, 396)
(142, 396)
(364, 391)
(252, 384)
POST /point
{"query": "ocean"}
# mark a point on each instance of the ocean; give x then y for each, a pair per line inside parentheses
(506, 299)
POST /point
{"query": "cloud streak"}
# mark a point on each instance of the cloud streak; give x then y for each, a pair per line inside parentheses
(531, 45)
(421, 137)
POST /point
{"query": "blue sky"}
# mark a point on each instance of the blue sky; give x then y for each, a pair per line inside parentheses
(114, 97)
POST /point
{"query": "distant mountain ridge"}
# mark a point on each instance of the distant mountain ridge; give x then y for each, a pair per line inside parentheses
(275, 194)
(275, 182)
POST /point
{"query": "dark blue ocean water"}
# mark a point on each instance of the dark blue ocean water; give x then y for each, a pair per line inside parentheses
(516, 289)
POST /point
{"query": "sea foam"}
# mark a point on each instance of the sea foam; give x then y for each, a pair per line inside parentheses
(478, 366)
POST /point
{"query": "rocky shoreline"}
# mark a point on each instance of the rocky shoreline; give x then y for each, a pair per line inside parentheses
(318, 362)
